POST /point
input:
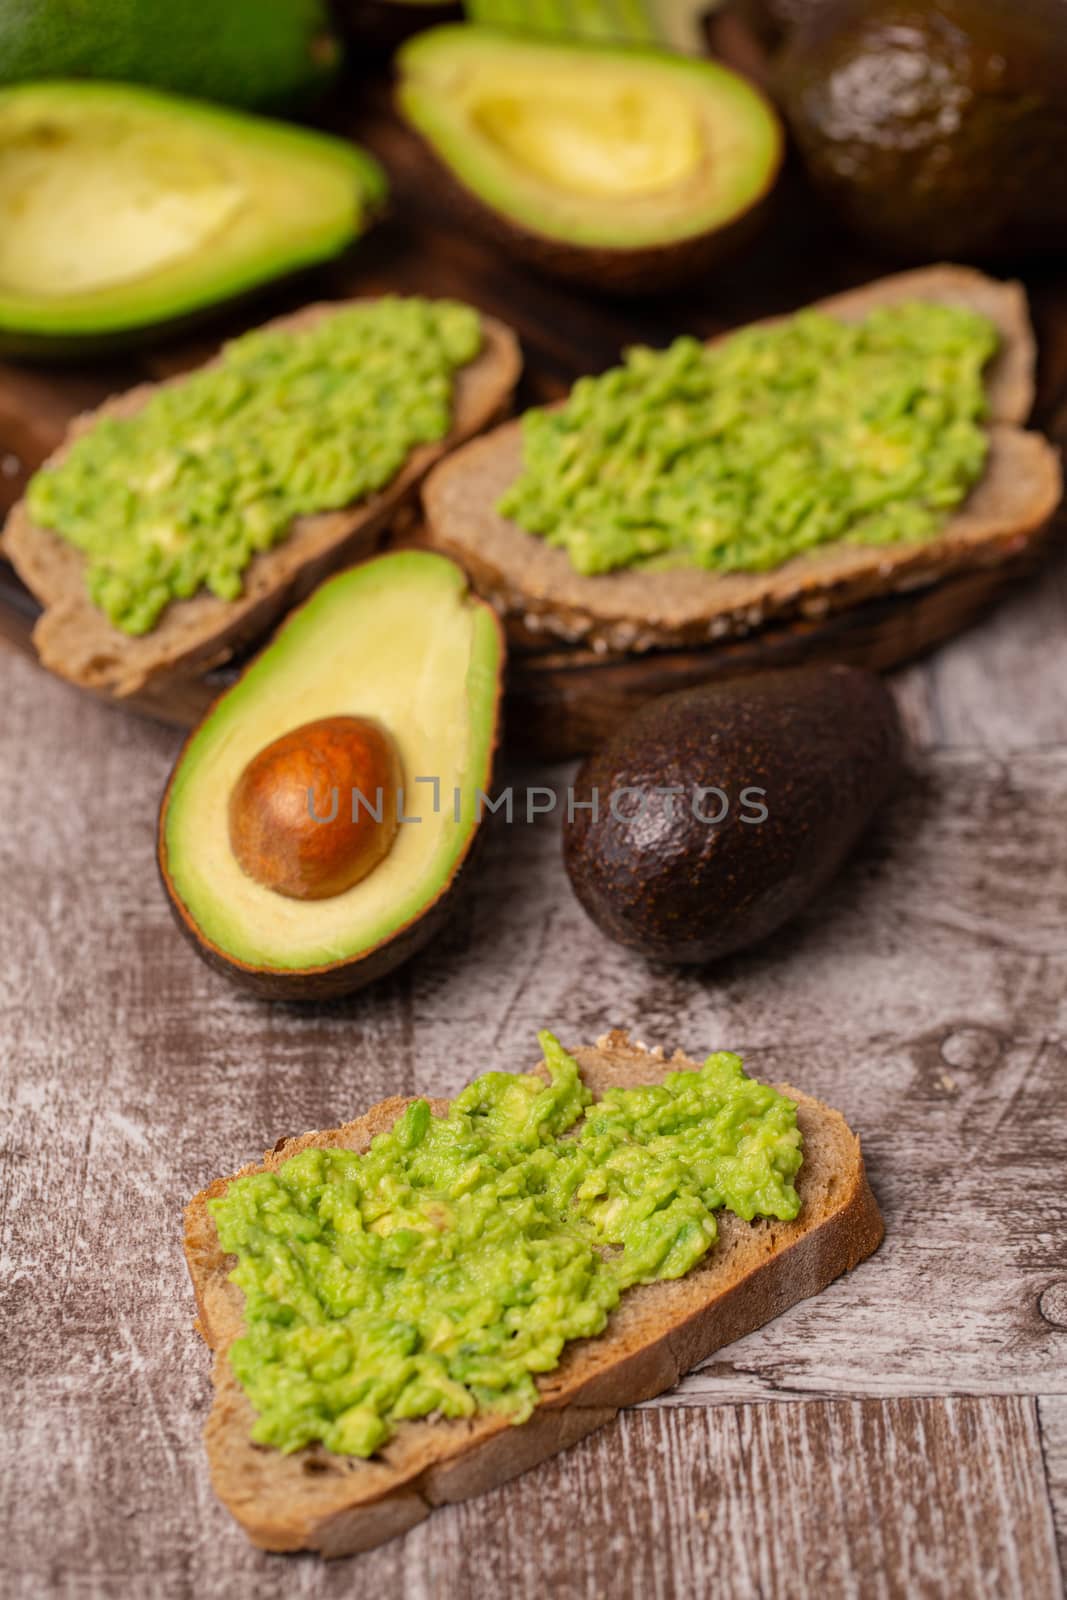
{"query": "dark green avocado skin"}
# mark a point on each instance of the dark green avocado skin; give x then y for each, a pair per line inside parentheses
(936, 127)
(825, 744)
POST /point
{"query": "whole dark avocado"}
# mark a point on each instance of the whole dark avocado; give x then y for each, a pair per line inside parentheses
(721, 811)
(936, 127)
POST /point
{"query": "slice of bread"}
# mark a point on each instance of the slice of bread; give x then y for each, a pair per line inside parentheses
(338, 1505)
(76, 640)
(534, 583)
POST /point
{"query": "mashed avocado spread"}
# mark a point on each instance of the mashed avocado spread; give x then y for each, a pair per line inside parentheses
(213, 469)
(442, 1269)
(776, 441)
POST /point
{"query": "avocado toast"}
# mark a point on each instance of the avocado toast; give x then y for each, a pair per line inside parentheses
(75, 638)
(536, 585)
(335, 1503)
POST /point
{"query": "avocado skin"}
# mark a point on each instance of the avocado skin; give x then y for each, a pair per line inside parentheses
(824, 742)
(936, 127)
(268, 55)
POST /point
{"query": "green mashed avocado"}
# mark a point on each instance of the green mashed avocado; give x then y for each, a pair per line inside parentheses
(776, 441)
(212, 470)
(440, 1271)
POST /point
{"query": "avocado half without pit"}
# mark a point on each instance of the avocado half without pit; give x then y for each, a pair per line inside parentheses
(625, 168)
(124, 210)
(316, 822)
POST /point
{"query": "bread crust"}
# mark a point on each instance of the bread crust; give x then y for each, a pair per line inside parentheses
(340, 1505)
(75, 639)
(535, 583)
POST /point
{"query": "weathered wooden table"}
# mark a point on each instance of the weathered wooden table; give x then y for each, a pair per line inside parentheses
(903, 1435)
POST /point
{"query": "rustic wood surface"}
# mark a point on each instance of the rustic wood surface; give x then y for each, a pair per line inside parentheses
(905, 1434)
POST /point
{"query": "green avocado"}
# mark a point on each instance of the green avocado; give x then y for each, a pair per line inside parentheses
(935, 129)
(267, 55)
(398, 646)
(124, 210)
(624, 167)
(714, 815)
(446, 1267)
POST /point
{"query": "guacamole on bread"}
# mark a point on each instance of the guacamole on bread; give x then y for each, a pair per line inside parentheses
(182, 494)
(442, 1270)
(738, 456)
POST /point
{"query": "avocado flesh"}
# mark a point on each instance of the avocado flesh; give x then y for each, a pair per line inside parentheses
(121, 208)
(399, 640)
(595, 146)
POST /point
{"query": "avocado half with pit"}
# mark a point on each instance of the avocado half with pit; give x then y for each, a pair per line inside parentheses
(315, 824)
(625, 168)
(123, 210)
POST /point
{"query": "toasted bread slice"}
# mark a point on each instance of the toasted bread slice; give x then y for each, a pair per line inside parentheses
(338, 1505)
(534, 583)
(76, 640)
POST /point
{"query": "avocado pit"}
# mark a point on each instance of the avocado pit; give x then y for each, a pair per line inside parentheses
(315, 811)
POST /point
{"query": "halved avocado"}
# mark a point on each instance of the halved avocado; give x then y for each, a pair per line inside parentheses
(124, 209)
(398, 647)
(623, 167)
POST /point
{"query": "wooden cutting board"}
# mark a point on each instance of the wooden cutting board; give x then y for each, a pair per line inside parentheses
(561, 701)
